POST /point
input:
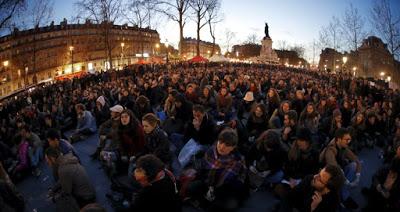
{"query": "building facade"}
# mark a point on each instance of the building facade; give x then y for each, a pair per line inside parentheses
(206, 48)
(31, 56)
(371, 60)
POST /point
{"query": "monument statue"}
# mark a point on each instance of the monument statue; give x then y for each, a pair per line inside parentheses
(266, 30)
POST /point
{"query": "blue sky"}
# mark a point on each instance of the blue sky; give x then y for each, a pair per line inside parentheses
(296, 21)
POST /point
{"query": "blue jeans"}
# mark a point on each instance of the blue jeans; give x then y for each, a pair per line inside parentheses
(350, 171)
(36, 156)
(277, 177)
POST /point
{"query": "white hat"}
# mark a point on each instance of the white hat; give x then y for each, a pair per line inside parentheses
(117, 109)
(249, 96)
(101, 100)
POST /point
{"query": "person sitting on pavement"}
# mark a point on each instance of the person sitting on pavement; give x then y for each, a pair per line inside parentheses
(108, 128)
(35, 149)
(73, 183)
(316, 193)
(339, 154)
(384, 194)
(265, 160)
(157, 141)
(159, 190)
(86, 124)
(220, 180)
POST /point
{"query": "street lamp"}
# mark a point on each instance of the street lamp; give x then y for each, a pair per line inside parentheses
(237, 54)
(157, 47)
(122, 53)
(71, 50)
(344, 62)
(208, 52)
(354, 71)
(167, 45)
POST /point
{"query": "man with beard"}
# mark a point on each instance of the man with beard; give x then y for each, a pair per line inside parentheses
(316, 193)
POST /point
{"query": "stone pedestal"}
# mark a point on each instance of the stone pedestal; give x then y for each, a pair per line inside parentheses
(267, 54)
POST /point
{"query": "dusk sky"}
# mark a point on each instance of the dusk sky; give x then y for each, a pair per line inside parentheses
(296, 21)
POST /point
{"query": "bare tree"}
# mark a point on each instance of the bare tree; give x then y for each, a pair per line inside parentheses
(176, 10)
(103, 12)
(229, 36)
(200, 8)
(282, 45)
(353, 27)
(137, 13)
(387, 25)
(8, 10)
(39, 12)
(329, 35)
(252, 39)
(213, 17)
(299, 49)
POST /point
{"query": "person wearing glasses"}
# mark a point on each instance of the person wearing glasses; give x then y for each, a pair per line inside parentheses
(339, 154)
(318, 192)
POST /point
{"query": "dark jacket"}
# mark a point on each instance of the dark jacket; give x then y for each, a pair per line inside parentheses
(161, 195)
(301, 197)
(301, 164)
(157, 143)
(272, 160)
(207, 133)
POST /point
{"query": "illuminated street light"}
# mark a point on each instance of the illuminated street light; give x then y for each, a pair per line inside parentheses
(71, 49)
(5, 63)
(382, 74)
(122, 53)
(389, 78)
(237, 54)
(344, 59)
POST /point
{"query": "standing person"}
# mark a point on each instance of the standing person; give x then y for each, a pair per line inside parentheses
(339, 154)
(73, 189)
(86, 124)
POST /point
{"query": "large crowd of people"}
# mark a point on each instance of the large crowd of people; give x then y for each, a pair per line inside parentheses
(205, 135)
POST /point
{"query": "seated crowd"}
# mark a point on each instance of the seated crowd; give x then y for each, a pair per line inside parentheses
(207, 136)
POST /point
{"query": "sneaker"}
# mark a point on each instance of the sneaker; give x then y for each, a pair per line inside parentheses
(349, 203)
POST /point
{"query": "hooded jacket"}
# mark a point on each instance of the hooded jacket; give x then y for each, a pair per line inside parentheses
(73, 178)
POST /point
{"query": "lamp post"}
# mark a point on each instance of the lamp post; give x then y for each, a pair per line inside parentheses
(354, 71)
(382, 74)
(71, 50)
(122, 53)
(344, 63)
(157, 47)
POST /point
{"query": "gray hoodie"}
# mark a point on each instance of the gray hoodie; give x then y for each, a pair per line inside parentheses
(73, 178)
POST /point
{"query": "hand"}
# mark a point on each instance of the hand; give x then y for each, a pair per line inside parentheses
(253, 169)
(316, 199)
(287, 130)
(264, 173)
(356, 181)
(210, 194)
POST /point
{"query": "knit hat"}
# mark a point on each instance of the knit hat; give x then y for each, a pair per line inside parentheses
(101, 100)
(249, 97)
(117, 109)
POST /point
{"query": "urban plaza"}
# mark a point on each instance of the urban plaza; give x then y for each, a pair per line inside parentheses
(199, 105)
